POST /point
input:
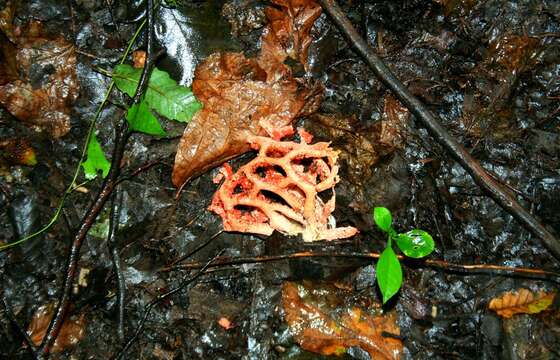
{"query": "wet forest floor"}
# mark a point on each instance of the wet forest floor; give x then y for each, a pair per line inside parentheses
(489, 69)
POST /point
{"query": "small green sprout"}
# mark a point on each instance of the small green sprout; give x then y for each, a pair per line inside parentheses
(414, 243)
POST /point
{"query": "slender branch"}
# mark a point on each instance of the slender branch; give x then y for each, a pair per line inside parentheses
(27, 340)
(492, 187)
(158, 299)
(113, 246)
(438, 264)
(104, 194)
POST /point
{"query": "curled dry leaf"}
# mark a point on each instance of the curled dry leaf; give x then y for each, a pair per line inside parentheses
(244, 97)
(522, 301)
(46, 84)
(72, 331)
(279, 190)
(319, 324)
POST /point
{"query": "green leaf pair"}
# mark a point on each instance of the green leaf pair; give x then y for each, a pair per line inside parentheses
(415, 244)
(163, 95)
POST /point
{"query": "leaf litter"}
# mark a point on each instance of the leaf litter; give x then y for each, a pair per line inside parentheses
(249, 96)
(38, 81)
(323, 320)
(522, 301)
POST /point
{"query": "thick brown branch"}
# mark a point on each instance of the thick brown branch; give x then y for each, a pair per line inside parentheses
(492, 187)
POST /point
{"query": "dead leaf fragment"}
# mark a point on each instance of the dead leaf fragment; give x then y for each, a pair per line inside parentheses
(287, 34)
(319, 324)
(46, 84)
(522, 301)
(72, 331)
(17, 152)
(238, 104)
(245, 97)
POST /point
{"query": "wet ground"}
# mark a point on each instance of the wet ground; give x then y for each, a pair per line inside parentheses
(489, 69)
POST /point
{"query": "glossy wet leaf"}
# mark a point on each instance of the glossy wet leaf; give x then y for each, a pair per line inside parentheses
(327, 320)
(96, 161)
(73, 328)
(29, 54)
(522, 301)
(383, 219)
(415, 243)
(389, 274)
(238, 104)
(173, 101)
(141, 119)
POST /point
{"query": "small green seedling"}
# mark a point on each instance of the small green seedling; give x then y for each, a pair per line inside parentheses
(415, 244)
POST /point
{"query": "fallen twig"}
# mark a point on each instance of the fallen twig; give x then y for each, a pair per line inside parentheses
(438, 264)
(158, 299)
(492, 187)
(107, 188)
(113, 246)
(27, 340)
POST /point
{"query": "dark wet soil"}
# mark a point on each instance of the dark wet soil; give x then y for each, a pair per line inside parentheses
(489, 69)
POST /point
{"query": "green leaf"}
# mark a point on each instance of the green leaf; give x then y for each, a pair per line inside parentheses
(389, 274)
(96, 160)
(173, 101)
(416, 243)
(383, 219)
(141, 119)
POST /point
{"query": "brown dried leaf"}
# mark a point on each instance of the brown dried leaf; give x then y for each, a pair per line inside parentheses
(17, 152)
(46, 83)
(244, 97)
(391, 129)
(8, 71)
(522, 301)
(6, 17)
(238, 103)
(287, 35)
(319, 325)
(72, 331)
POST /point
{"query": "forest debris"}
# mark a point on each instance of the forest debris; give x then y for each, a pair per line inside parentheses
(46, 83)
(238, 103)
(279, 190)
(17, 151)
(392, 126)
(287, 34)
(243, 18)
(244, 97)
(514, 52)
(72, 331)
(320, 324)
(138, 59)
(522, 301)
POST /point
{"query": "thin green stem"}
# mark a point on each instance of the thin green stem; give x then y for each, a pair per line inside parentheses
(71, 187)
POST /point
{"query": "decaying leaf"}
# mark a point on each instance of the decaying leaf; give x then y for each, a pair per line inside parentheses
(245, 97)
(238, 104)
(72, 331)
(17, 152)
(279, 190)
(287, 35)
(319, 324)
(390, 135)
(522, 301)
(47, 83)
